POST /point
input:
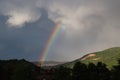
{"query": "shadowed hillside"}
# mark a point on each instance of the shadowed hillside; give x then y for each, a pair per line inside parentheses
(18, 70)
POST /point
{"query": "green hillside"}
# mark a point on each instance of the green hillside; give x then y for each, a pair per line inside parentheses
(108, 56)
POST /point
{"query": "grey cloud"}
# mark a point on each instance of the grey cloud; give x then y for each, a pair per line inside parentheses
(89, 25)
(100, 31)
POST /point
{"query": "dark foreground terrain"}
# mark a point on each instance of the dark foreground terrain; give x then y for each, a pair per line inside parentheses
(24, 70)
(104, 65)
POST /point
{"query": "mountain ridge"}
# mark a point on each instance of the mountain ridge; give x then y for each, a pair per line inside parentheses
(108, 56)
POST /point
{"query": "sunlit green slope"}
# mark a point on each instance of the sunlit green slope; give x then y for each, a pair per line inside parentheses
(109, 57)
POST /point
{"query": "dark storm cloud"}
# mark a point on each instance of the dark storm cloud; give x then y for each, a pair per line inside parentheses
(27, 42)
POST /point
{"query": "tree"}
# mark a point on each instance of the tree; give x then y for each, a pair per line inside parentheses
(80, 71)
(24, 71)
(116, 72)
(103, 72)
(62, 73)
(92, 71)
(1, 72)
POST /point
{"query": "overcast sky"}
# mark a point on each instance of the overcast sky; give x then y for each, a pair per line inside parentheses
(87, 26)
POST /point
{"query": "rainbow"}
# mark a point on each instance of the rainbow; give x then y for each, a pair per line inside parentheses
(51, 41)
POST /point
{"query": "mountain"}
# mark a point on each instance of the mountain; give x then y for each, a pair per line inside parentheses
(109, 57)
(18, 70)
(48, 63)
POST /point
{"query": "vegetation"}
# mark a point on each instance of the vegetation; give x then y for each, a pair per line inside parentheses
(23, 70)
(95, 66)
(91, 71)
(109, 57)
(18, 70)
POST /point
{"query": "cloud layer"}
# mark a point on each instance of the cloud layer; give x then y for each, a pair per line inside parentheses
(87, 26)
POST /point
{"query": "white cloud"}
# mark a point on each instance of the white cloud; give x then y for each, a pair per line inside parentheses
(19, 18)
(20, 12)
